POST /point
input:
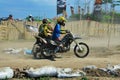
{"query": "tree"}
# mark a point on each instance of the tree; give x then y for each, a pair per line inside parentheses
(112, 2)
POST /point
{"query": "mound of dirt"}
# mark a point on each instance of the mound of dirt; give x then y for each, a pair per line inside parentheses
(20, 73)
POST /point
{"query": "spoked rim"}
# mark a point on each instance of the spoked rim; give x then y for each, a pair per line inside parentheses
(46, 54)
(36, 52)
(38, 55)
(58, 55)
(83, 51)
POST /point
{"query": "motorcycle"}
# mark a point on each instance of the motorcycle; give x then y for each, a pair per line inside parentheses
(47, 48)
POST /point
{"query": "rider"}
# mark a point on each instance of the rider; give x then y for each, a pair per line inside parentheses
(41, 28)
(30, 18)
(48, 30)
(44, 30)
(58, 31)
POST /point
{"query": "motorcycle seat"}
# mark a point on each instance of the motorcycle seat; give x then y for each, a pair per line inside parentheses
(38, 37)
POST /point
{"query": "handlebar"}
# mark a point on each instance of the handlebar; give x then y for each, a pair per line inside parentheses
(67, 31)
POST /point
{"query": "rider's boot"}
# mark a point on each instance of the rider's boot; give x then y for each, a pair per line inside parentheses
(56, 49)
(52, 58)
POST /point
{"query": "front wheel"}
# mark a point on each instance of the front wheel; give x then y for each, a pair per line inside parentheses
(81, 52)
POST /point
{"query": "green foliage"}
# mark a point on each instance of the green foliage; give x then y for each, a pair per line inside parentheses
(118, 1)
(112, 2)
(26, 18)
(103, 17)
(44, 78)
(117, 15)
(106, 18)
(84, 78)
(37, 18)
(75, 16)
(39, 78)
(91, 17)
(107, 1)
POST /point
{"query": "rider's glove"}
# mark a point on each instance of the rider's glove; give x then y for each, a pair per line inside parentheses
(67, 31)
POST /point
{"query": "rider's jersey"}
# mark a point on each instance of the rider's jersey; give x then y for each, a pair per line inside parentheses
(56, 32)
(41, 30)
(50, 27)
(46, 31)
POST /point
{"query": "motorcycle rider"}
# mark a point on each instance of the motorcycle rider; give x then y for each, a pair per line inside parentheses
(44, 30)
(58, 30)
(48, 30)
(56, 36)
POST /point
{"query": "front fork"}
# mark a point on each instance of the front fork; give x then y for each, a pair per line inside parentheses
(79, 46)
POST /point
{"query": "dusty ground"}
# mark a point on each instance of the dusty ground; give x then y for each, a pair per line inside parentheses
(101, 54)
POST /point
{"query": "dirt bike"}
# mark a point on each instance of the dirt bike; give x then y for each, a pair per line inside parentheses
(46, 48)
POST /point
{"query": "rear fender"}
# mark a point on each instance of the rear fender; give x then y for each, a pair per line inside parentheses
(40, 39)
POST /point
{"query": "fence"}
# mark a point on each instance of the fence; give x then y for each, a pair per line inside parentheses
(3, 33)
(94, 29)
(17, 30)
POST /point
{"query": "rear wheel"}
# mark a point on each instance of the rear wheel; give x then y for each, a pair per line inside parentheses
(36, 51)
(47, 54)
(81, 52)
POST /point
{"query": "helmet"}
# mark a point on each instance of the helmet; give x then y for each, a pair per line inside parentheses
(61, 19)
(44, 21)
(49, 21)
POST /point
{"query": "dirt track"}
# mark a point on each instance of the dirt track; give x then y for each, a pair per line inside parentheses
(100, 55)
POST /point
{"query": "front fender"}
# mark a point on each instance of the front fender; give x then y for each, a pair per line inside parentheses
(77, 38)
